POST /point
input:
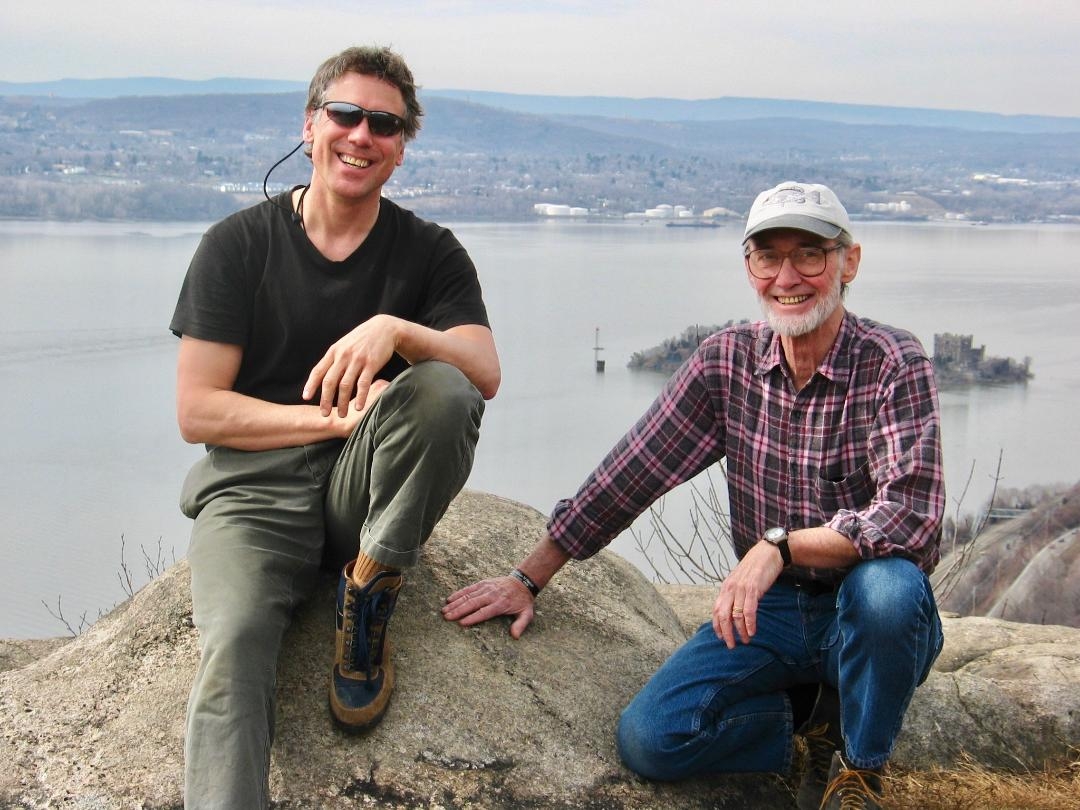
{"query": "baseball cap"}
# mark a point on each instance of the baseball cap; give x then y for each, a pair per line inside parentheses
(803, 206)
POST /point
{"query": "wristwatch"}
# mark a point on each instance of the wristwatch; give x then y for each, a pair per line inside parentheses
(779, 538)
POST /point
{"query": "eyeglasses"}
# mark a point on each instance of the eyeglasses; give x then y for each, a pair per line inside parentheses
(765, 263)
(342, 113)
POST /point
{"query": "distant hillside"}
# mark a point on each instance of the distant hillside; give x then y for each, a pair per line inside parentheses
(727, 108)
(145, 86)
(198, 157)
(733, 108)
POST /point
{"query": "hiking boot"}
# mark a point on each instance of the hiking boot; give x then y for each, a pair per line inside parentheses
(823, 739)
(363, 676)
(852, 788)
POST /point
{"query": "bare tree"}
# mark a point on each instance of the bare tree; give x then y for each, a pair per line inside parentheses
(706, 555)
(154, 567)
(957, 562)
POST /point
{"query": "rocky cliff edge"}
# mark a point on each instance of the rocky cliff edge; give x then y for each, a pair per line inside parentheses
(478, 720)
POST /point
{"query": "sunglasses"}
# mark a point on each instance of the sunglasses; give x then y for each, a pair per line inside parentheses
(349, 115)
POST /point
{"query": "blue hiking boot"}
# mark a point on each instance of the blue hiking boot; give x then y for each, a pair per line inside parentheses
(363, 676)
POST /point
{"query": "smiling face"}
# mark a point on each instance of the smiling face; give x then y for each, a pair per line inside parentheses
(352, 163)
(794, 305)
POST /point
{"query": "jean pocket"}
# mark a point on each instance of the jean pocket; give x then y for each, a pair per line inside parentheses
(321, 457)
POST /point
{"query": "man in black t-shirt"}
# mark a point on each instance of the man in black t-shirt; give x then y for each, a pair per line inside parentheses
(335, 356)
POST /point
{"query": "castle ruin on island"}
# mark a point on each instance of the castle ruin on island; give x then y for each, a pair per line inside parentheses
(957, 361)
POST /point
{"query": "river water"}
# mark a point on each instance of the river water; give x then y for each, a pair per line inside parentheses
(91, 461)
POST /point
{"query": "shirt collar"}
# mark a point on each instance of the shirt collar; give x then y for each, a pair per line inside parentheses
(836, 366)
(837, 363)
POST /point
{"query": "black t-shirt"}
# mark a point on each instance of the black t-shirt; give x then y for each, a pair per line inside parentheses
(256, 281)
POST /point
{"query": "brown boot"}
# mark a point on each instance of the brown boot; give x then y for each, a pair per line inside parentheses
(822, 735)
(852, 788)
(363, 675)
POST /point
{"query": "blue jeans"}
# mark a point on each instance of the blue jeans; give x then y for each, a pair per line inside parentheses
(709, 709)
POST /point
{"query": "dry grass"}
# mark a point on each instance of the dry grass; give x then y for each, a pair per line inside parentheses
(971, 787)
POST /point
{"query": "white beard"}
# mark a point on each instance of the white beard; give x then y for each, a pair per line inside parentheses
(798, 325)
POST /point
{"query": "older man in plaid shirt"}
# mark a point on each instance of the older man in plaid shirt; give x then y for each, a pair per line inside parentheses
(829, 426)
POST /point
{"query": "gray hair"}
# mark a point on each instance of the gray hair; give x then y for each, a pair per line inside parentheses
(846, 240)
(367, 60)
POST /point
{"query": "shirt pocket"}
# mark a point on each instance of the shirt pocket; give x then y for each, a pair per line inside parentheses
(852, 492)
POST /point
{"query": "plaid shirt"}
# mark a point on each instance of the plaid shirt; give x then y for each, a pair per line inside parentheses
(857, 449)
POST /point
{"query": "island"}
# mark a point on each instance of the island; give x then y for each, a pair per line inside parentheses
(670, 354)
(956, 360)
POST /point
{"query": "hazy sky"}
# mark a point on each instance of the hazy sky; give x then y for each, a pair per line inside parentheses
(985, 55)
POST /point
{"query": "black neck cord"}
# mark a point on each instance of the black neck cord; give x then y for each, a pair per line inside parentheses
(300, 207)
(297, 216)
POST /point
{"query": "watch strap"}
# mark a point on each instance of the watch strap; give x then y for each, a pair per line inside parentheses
(524, 579)
(785, 552)
(781, 544)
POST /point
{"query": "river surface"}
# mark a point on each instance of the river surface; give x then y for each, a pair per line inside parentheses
(91, 462)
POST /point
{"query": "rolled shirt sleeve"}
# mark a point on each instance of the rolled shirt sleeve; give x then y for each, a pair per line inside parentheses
(904, 462)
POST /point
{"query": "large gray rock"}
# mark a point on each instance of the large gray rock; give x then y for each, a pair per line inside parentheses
(1007, 695)
(478, 719)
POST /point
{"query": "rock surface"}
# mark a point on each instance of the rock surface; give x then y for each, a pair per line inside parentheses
(479, 720)
(1024, 570)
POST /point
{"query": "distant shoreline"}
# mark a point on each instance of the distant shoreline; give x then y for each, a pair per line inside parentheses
(450, 221)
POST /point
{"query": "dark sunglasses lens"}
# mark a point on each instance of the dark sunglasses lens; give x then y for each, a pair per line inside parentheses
(346, 115)
(349, 115)
(384, 124)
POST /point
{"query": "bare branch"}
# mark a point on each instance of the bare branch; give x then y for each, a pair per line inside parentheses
(124, 574)
(705, 554)
(960, 561)
(58, 614)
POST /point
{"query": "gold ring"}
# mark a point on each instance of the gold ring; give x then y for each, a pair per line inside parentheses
(736, 611)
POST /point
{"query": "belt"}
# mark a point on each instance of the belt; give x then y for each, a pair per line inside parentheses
(814, 587)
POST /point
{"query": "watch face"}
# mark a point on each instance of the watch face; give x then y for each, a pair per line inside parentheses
(775, 535)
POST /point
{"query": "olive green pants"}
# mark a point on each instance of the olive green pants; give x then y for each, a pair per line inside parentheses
(265, 522)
